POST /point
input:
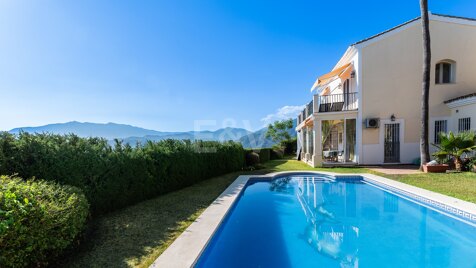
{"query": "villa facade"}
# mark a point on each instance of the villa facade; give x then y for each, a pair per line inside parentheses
(367, 109)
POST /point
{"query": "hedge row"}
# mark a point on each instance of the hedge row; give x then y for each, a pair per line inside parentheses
(38, 220)
(116, 176)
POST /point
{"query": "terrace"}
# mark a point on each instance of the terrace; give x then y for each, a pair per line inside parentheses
(329, 103)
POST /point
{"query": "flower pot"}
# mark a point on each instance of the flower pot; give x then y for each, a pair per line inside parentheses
(441, 168)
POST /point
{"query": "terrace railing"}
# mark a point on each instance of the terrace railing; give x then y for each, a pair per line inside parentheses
(310, 108)
(338, 102)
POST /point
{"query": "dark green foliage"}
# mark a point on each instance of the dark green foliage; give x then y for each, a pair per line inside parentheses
(279, 131)
(455, 146)
(114, 177)
(290, 146)
(276, 153)
(263, 153)
(38, 220)
(252, 158)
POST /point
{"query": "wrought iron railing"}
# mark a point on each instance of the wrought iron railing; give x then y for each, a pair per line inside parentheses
(310, 108)
(338, 102)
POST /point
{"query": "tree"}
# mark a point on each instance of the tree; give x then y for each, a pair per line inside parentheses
(424, 138)
(455, 145)
(279, 131)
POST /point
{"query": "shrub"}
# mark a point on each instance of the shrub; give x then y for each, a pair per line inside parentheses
(455, 146)
(264, 154)
(277, 153)
(115, 176)
(290, 146)
(38, 220)
(252, 159)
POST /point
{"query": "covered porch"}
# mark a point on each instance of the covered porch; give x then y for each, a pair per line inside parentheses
(330, 140)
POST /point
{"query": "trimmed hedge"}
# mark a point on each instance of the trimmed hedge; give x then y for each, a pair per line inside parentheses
(38, 220)
(112, 177)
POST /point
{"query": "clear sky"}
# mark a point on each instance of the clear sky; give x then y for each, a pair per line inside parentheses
(171, 64)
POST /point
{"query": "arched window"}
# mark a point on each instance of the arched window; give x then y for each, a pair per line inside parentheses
(445, 72)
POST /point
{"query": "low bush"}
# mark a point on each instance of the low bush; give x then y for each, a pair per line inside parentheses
(276, 153)
(252, 158)
(38, 220)
(112, 177)
(264, 154)
(290, 146)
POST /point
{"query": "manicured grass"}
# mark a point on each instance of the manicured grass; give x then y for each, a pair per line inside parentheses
(137, 235)
(459, 185)
(291, 164)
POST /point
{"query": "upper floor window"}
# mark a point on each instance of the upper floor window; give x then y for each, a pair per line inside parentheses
(445, 72)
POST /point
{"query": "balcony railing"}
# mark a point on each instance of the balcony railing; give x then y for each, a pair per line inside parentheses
(310, 108)
(338, 102)
(308, 111)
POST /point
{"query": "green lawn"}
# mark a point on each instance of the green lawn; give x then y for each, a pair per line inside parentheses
(459, 185)
(137, 235)
(290, 164)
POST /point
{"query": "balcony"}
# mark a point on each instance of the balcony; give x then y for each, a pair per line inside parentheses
(308, 111)
(337, 102)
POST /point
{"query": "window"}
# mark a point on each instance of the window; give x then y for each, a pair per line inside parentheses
(464, 124)
(440, 126)
(445, 72)
(346, 86)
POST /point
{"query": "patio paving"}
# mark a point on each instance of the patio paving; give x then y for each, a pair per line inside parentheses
(396, 170)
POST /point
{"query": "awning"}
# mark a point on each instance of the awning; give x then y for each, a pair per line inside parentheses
(309, 122)
(329, 77)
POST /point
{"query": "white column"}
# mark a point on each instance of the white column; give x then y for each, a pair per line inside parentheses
(317, 158)
(308, 155)
(344, 140)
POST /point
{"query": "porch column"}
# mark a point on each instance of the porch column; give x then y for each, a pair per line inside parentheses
(344, 141)
(317, 157)
(308, 155)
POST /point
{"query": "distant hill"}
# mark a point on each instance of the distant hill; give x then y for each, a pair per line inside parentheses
(108, 131)
(224, 134)
(133, 135)
(258, 138)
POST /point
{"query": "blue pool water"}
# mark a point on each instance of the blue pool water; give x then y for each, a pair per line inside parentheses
(311, 221)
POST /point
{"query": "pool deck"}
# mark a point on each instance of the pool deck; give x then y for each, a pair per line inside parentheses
(397, 169)
(186, 249)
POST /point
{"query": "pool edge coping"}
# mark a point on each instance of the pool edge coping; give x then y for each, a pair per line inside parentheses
(187, 248)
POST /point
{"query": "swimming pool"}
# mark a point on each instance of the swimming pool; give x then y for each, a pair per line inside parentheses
(310, 220)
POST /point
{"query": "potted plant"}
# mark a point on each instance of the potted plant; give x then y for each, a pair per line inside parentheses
(435, 167)
(455, 146)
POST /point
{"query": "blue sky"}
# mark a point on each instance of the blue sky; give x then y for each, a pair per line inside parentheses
(178, 65)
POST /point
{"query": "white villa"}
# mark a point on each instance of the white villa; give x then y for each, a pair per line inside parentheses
(367, 109)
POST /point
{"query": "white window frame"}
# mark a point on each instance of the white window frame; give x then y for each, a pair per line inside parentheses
(439, 79)
(468, 123)
(434, 129)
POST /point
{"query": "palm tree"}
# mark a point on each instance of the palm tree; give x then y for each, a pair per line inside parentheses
(424, 143)
(455, 146)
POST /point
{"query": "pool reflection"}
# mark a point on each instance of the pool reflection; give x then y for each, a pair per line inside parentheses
(324, 231)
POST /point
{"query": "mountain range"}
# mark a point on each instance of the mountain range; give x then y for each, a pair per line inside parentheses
(133, 135)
